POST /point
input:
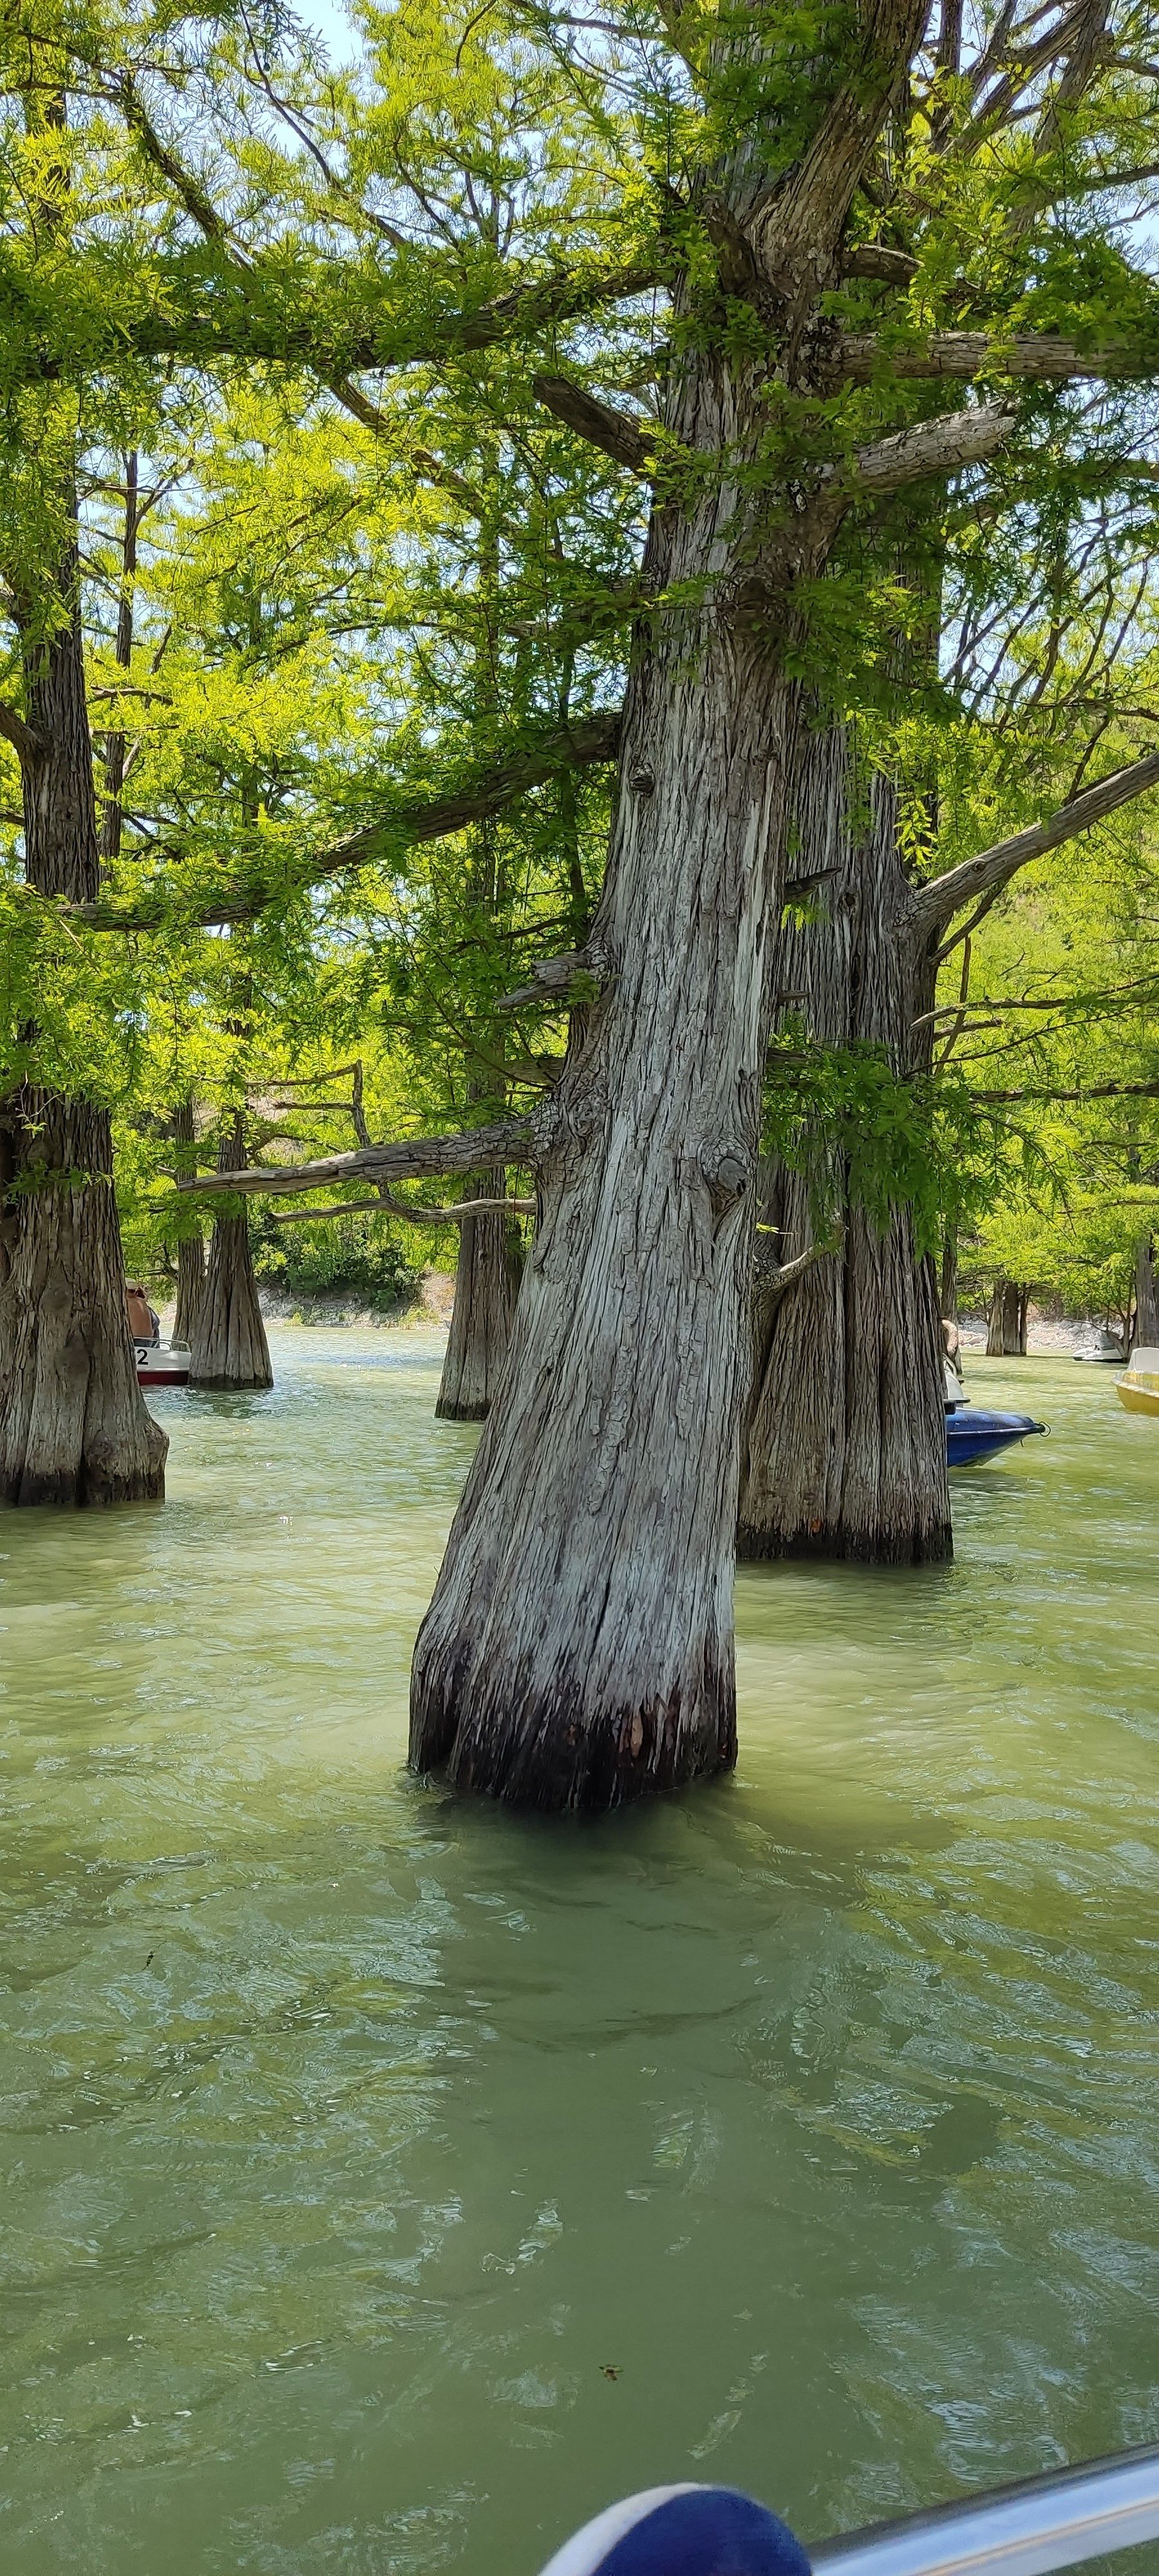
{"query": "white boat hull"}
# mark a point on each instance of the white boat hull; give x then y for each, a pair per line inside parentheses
(162, 1364)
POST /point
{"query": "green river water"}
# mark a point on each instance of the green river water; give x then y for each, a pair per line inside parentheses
(389, 2183)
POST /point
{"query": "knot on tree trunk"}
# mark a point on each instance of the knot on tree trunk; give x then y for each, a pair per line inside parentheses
(726, 1168)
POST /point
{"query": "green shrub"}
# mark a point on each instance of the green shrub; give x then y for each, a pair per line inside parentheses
(356, 1253)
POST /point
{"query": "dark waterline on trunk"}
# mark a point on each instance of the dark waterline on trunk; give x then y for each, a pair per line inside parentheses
(352, 2131)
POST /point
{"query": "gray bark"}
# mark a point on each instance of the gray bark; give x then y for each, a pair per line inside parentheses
(190, 1287)
(1006, 1336)
(578, 1649)
(228, 1346)
(74, 1428)
(843, 1450)
(948, 1285)
(191, 1248)
(486, 1287)
(1146, 1295)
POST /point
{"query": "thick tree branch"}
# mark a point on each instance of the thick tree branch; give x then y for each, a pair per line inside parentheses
(1088, 1091)
(936, 903)
(620, 437)
(932, 447)
(802, 223)
(774, 1278)
(1038, 359)
(876, 261)
(387, 1205)
(26, 743)
(577, 746)
(551, 978)
(229, 322)
(507, 1140)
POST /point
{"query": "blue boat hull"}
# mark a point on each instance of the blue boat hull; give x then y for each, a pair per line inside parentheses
(972, 1435)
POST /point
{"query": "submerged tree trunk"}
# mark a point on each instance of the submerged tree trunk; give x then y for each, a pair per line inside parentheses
(191, 1248)
(190, 1287)
(73, 1424)
(578, 1649)
(486, 1286)
(1006, 1337)
(1146, 1296)
(228, 1346)
(844, 1445)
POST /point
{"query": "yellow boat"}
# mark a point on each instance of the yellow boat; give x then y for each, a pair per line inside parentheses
(1139, 1389)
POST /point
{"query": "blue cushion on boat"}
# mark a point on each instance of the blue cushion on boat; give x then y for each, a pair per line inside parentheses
(683, 2531)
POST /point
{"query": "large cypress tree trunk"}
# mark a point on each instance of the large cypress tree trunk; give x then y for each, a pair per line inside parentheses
(844, 1446)
(228, 1347)
(73, 1424)
(486, 1286)
(578, 1649)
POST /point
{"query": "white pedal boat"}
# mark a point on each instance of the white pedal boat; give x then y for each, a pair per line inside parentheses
(162, 1363)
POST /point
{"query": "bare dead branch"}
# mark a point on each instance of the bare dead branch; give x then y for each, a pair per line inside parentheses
(387, 1205)
(507, 1140)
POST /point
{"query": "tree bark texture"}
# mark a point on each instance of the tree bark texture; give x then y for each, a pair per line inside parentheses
(578, 1649)
(1006, 1337)
(844, 1443)
(191, 1248)
(74, 1428)
(228, 1346)
(190, 1287)
(1146, 1296)
(486, 1287)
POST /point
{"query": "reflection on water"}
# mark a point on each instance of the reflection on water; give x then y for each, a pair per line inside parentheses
(389, 2183)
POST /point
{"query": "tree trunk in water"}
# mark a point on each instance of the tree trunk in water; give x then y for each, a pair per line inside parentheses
(579, 1647)
(486, 1286)
(1006, 1338)
(191, 1249)
(229, 1346)
(578, 1650)
(190, 1287)
(948, 1291)
(844, 1446)
(73, 1424)
(1146, 1296)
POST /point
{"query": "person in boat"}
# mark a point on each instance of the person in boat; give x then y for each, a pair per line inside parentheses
(952, 1360)
(144, 1322)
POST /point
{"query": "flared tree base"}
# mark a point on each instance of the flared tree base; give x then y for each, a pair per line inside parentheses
(229, 1352)
(552, 1755)
(74, 1428)
(932, 1544)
